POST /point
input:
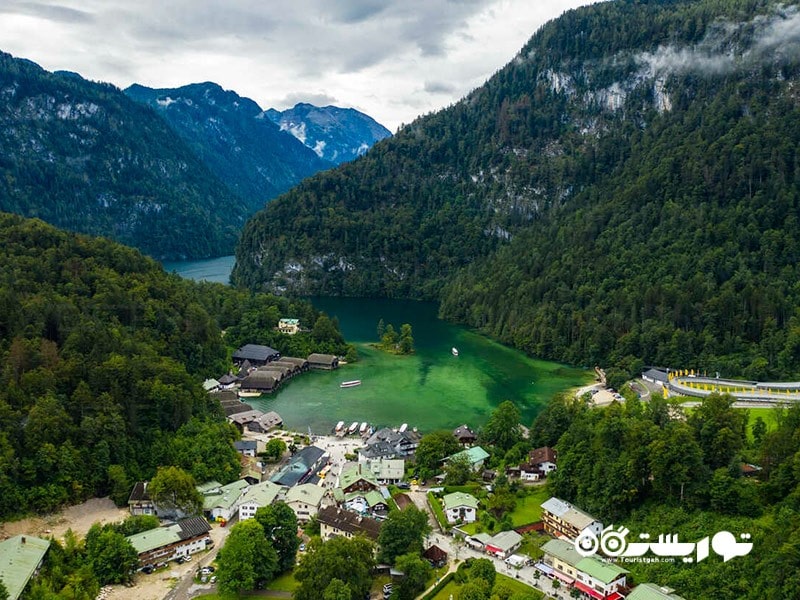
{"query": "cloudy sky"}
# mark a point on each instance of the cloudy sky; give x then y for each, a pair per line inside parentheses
(393, 59)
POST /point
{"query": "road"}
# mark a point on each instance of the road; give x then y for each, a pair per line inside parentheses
(185, 587)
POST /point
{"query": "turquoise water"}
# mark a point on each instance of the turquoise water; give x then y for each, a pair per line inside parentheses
(430, 389)
(214, 269)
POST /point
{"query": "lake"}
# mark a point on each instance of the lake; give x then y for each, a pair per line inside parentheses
(430, 389)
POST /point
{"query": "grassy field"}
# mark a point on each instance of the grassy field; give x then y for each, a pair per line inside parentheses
(528, 509)
(284, 583)
(453, 588)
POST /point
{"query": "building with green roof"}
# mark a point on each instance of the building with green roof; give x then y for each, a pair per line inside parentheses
(460, 507)
(223, 502)
(357, 478)
(651, 591)
(598, 578)
(162, 544)
(257, 496)
(370, 502)
(20, 559)
(305, 500)
(475, 455)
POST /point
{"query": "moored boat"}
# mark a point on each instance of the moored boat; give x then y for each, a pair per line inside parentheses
(403, 427)
(353, 427)
(347, 384)
(455, 351)
(340, 426)
(249, 394)
(363, 429)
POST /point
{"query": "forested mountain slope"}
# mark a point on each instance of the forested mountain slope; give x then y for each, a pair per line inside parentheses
(83, 156)
(235, 138)
(625, 187)
(101, 359)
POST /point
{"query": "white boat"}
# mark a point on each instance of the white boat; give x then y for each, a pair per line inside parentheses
(455, 351)
(346, 384)
(403, 427)
(249, 394)
(363, 429)
(339, 425)
(353, 427)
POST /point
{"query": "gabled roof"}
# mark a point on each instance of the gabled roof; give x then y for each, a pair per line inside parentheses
(242, 418)
(568, 513)
(261, 494)
(349, 522)
(505, 540)
(372, 497)
(192, 527)
(463, 431)
(656, 375)
(298, 467)
(228, 379)
(385, 468)
(170, 534)
(435, 554)
(474, 455)
(19, 557)
(563, 550)
(210, 384)
(209, 487)
(139, 493)
(322, 359)
(540, 455)
(457, 499)
(227, 496)
(307, 493)
(255, 352)
(242, 445)
(601, 570)
(354, 473)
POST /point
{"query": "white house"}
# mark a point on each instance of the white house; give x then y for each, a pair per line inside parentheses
(222, 503)
(305, 500)
(257, 496)
(460, 507)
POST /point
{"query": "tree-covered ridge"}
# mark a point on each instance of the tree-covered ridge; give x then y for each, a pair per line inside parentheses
(101, 359)
(83, 156)
(625, 187)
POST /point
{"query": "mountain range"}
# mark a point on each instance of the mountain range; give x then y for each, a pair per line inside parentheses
(336, 134)
(83, 156)
(624, 190)
(174, 172)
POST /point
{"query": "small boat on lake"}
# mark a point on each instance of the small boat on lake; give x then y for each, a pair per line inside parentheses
(347, 384)
(403, 427)
(455, 351)
(363, 429)
(353, 427)
(339, 426)
(249, 394)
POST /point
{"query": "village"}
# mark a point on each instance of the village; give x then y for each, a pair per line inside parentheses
(348, 483)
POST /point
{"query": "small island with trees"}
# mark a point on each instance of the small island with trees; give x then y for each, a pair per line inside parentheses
(392, 341)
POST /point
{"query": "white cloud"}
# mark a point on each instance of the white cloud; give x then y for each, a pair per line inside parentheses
(393, 59)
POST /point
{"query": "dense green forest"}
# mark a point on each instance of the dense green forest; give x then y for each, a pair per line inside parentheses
(625, 187)
(655, 469)
(83, 156)
(101, 359)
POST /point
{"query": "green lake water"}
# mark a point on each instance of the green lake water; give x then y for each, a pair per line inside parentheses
(430, 389)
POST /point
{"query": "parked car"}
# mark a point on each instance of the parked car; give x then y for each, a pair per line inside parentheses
(302, 547)
(187, 558)
(147, 569)
(404, 485)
